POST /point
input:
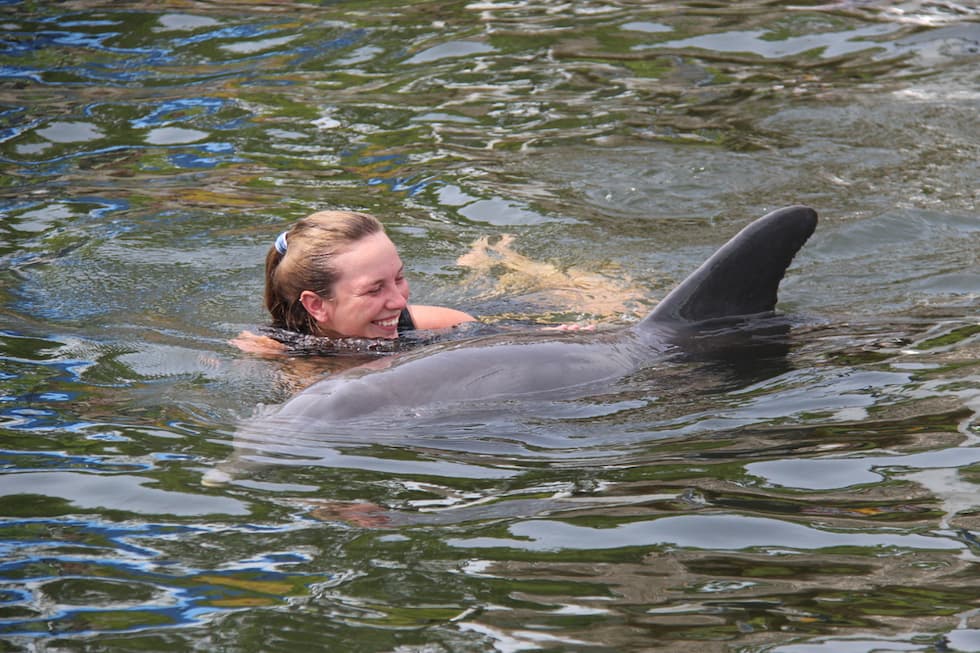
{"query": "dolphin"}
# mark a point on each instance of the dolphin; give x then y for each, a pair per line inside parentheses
(735, 286)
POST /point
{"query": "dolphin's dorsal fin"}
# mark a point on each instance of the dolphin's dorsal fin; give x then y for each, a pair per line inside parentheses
(741, 278)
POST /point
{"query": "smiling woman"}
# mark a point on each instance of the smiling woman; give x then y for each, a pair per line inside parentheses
(337, 274)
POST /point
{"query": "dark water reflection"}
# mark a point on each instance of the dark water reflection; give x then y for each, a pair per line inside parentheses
(817, 498)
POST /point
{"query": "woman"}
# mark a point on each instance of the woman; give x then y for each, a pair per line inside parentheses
(336, 274)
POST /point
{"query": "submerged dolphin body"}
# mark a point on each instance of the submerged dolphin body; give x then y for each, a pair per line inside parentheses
(740, 279)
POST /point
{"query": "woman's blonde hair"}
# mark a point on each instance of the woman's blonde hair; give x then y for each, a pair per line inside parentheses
(303, 259)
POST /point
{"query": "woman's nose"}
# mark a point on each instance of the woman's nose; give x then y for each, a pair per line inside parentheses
(396, 300)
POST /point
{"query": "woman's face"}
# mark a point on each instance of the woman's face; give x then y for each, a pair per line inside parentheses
(370, 292)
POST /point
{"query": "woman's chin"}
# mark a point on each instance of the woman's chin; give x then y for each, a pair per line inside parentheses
(383, 333)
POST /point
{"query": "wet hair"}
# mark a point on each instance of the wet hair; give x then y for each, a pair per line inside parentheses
(311, 245)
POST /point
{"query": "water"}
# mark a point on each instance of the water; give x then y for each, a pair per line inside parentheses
(819, 499)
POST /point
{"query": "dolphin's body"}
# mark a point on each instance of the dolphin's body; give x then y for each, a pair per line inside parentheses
(740, 279)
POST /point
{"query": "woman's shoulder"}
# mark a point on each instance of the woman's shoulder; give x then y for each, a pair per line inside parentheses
(437, 317)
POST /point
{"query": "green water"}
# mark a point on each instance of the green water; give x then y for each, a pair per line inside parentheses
(822, 500)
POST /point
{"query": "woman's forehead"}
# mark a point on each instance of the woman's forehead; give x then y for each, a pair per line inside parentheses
(369, 259)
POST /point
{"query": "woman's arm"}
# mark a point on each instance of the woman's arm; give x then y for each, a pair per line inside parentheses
(437, 317)
(253, 343)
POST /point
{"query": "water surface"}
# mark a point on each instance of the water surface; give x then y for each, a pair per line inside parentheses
(819, 498)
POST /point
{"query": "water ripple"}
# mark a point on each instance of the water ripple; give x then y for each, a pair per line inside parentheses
(821, 498)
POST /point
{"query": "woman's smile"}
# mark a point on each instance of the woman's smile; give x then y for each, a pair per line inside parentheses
(388, 324)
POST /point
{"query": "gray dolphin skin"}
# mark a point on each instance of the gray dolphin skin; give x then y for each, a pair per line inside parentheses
(740, 279)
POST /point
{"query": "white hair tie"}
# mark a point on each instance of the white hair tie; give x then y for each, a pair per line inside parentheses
(281, 244)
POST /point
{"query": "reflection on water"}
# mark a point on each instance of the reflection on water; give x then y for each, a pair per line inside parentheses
(586, 156)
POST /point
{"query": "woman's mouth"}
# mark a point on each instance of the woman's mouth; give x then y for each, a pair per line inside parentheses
(388, 323)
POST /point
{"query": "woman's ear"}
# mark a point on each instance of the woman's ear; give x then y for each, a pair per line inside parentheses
(319, 308)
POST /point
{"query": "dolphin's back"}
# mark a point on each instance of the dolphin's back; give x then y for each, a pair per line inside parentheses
(741, 278)
(488, 369)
